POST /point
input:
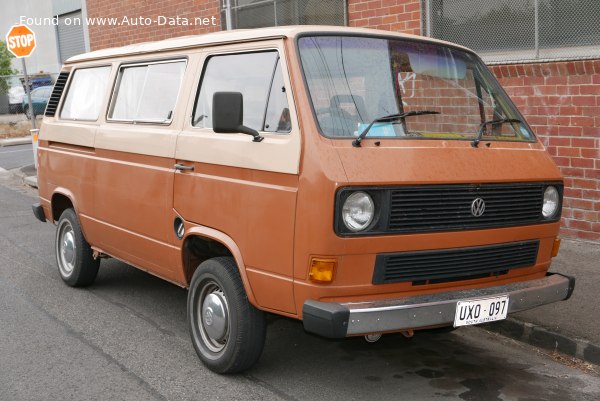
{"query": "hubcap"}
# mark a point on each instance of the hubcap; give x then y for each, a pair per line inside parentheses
(213, 317)
(66, 249)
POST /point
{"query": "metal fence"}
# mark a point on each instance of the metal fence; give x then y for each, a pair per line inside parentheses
(261, 13)
(518, 30)
(13, 99)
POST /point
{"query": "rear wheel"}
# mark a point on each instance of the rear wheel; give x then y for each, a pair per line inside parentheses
(27, 112)
(74, 255)
(228, 333)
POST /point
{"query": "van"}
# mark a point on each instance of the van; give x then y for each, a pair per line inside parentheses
(361, 181)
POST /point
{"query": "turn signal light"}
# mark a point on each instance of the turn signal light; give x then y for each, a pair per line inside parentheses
(321, 270)
(555, 247)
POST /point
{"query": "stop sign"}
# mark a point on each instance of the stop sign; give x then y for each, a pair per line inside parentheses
(20, 40)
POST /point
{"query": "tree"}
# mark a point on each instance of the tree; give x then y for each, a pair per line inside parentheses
(5, 67)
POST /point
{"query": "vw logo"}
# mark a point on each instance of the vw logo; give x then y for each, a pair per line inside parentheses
(477, 207)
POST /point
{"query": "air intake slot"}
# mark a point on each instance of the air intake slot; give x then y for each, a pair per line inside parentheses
(59, 86)
(457, 264)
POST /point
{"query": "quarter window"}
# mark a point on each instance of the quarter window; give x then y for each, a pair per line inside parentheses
(259, 78)
(85, 94)
(147, 93)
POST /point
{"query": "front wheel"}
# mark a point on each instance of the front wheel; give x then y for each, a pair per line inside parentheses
(27, 113)
(74, 256)
(228, 333)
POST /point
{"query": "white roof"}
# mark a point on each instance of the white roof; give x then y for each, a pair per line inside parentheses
(235, 36)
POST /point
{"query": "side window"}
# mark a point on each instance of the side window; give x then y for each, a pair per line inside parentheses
(85, 94)
(147, 92)
(278, 111)
(258, 77)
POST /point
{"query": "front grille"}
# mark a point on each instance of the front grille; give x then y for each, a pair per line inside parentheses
(438, 266)
(429, 208)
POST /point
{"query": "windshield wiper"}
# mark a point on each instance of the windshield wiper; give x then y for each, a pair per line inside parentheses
(390, 118)
(477, 139)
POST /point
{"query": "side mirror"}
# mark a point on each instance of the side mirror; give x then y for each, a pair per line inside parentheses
(228, 115)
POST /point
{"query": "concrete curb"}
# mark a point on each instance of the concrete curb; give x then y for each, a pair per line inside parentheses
(543, 338)
(31, 181)
(15, 141)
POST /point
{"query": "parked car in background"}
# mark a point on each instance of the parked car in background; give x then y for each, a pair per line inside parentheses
(16, 94)
(39, 100)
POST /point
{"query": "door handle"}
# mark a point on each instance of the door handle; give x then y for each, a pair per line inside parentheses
(183, 167)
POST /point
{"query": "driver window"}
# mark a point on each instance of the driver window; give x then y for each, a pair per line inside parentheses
(259, 78)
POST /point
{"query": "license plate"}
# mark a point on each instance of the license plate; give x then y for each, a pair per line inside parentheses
(476, 311)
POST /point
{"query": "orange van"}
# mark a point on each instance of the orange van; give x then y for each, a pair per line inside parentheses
(362, 181)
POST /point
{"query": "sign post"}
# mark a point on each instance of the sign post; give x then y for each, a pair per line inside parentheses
(20, 41)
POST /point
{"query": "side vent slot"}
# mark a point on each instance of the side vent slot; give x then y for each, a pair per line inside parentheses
(59, 86)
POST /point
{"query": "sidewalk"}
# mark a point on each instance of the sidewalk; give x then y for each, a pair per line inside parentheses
(570, 327)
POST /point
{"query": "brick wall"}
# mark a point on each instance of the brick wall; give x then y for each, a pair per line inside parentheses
(390, 15)
(561, 101)
(102, 36)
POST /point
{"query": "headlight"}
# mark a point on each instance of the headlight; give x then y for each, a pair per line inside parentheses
(551, 201)
(358, 211)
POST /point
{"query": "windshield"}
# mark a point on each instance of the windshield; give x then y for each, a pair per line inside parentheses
(355, 80)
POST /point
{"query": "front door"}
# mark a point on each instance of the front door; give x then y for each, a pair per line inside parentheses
(246, 189)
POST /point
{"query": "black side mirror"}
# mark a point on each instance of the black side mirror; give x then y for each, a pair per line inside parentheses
(228, 115)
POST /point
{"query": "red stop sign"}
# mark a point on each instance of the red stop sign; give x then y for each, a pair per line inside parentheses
(20, 40)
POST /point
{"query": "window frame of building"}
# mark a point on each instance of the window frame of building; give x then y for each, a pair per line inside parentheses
(298, 18)
(538, 52)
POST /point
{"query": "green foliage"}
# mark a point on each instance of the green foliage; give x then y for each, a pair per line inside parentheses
(5, 67)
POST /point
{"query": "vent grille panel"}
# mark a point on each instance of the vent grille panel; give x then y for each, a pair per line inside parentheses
(428, 267)
(59, 87)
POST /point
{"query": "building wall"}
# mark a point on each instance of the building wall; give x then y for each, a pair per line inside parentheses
(102, 36)
(44, 58)
(390, 15)
(561, 100)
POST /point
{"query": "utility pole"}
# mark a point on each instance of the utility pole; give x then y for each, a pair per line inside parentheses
(28, 91)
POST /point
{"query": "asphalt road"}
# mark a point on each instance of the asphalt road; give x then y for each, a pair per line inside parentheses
(15, 156)
(126, 338)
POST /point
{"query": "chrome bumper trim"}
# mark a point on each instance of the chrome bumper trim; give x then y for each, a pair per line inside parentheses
(426, 310)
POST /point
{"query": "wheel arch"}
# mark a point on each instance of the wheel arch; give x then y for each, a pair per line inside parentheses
(223, 245)
(61, 200)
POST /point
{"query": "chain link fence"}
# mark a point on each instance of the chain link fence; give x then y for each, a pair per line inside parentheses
(14, 106)
(261, 13)
(518, 30)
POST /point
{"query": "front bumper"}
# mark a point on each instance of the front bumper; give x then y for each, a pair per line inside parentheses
(338, 320)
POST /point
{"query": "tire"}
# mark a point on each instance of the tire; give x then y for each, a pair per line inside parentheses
(27, 113)
(74, 256)
(227, 332)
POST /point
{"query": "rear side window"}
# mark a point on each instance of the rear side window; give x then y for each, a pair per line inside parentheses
(258, 77)
(147, 92)
(85, 94)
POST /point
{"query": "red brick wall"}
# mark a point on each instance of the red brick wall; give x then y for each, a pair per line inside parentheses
(561, 101)
(112, 36)
(390, 15)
